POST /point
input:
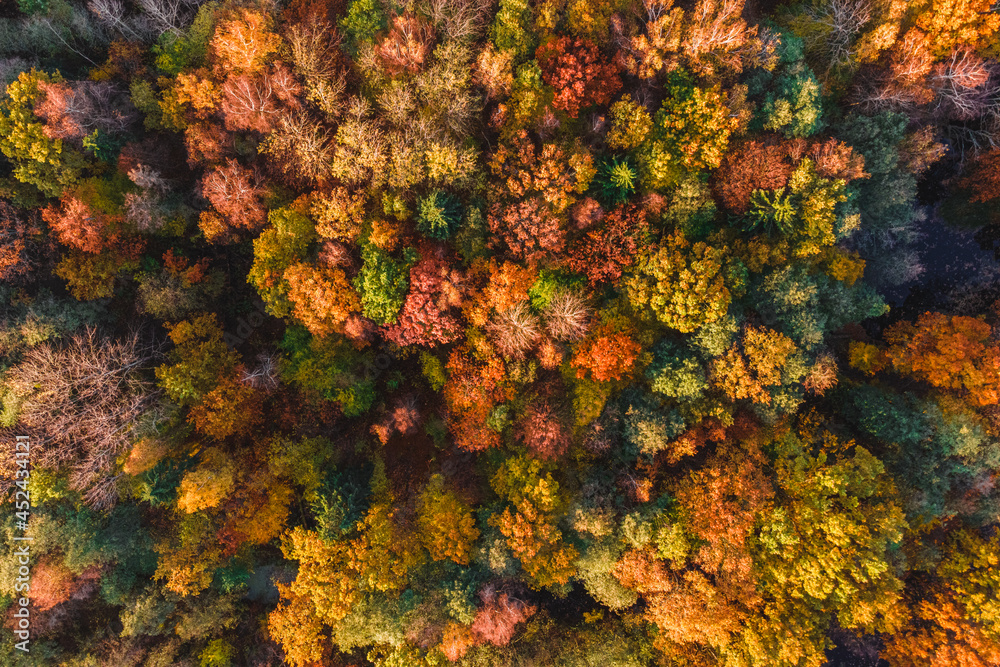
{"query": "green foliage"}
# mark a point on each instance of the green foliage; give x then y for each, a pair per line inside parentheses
(198, 359)
(805, 305)
(550, 283)
(615, 181)
(285, 242)
(438, 215)
(676, 373)
(331, 367)
(648, 427)
(382, 283)
(47, 164)
(433, 370)
(512, 29)
(690, 134)
(363, 21)
(175, 52)
(789, 95)
(770, 211)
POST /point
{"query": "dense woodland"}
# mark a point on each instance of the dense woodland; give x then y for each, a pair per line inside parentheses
(489, 334)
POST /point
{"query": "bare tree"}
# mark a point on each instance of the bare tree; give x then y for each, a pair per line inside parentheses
(84, 401)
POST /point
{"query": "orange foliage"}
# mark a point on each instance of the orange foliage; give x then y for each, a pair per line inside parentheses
(952, 24)
(748, 374)
(295, 626)
(14, 257)
(231, 408)
(956, 353)
(574, 69)
(244, 42)
(407, 45)
(608, 355)
(499, 616)
(474, 388)
(457, 641)
(79, 226)
(983, 177)
(942, 636)
(323, 298)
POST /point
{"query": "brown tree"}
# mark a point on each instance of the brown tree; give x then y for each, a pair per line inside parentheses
(84, 399)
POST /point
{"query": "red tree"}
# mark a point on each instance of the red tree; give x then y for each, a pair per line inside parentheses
(499, 616)
(15, 259)
(545, 430)
(528, 228)
(254, 102)
(573, 67)
(750, 166)
(603, 253)
(435, 288)
(78, 225)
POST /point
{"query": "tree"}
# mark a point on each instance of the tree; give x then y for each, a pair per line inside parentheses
(79, 226)
(209, 484)
(475, 387)
(603, 253)
(85, 399)
(243, 42)
(956, 353)
(690, 134)
(16, 244)
(608, 355)
(407, 44)
(953, 618)
(199, 358)
(760, 366)
(951, 24)
(654, 285)
(38, 160)
(983, 176)
(498, 618)
(382, 284)
(235, 192)
(258, 103)
(630, 124)
(750, 166)
(711, 38)
(438, 215)
(545, 430)
(321, 298)
(435, 288)
(528, 229)
(838, 503)
(574, 69)
(529, 522)
(277, 248)
(72, 111)
(512, 29)
(447, 527)
(233, 407)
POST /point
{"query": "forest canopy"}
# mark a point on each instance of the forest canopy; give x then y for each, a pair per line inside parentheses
(584, 333)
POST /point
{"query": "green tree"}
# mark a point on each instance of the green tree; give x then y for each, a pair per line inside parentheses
(50, 165)
(382, 283)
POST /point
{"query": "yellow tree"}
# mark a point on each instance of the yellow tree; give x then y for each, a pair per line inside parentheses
(447, 527)
(529, 522)
(680, 284)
